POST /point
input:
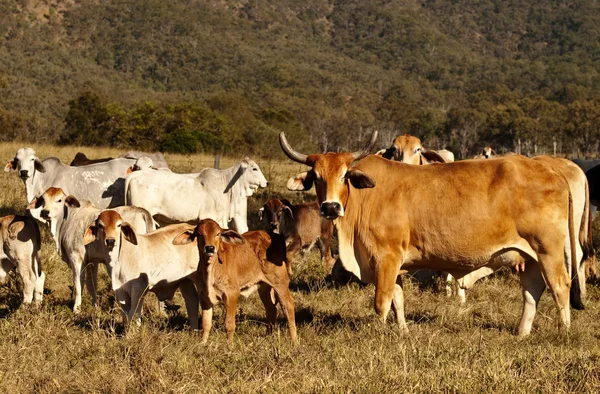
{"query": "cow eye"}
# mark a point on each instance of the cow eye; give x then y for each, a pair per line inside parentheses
(418, 150)
(60, 200)
(119, 225)
(255, 169)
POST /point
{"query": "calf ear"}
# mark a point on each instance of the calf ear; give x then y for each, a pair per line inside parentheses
(380, 152)
(260, 213)
(300, 182)
(72, 201)
(289, 210)
(184, 238)
(129, 233)
(36, 203)
(432, 156)
(359, 179)
(39, 166)
(494, 152)
(231, 237)
(129, 171)
(90, 234)
(10, 166)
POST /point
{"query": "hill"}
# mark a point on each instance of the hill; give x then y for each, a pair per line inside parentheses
(227, 76)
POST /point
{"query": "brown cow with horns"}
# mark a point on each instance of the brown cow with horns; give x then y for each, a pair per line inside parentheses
(457, 217)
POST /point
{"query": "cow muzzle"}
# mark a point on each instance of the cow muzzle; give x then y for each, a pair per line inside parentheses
(24, 174)
(209, 250)
(331, 210)
(110, 243)
(274, 226)
(45, 214)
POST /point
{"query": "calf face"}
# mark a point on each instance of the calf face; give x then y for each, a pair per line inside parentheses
(210, 238)
(408, 149)
(53, 203)
(25, 163)
(274, 209)
(108, 228)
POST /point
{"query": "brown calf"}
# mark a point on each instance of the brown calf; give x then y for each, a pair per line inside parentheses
(230, 265)
(301, 226)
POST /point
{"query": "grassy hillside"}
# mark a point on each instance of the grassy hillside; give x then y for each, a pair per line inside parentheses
(458, 74)
(342, 346)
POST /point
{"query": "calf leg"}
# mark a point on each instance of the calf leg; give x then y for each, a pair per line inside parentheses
(124, 301)
(190, 295)
(78, 278)
(29, 277)
(231, 301)
(532, 284)
(264, 291)
(207, 313)
(40, 279)
(91, 281)
(287, 303)
(137, 303)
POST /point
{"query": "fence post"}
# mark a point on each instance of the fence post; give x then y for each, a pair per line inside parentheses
(217, 162)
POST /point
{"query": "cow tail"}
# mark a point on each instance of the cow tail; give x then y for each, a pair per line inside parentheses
(576, 301)
(589, 254)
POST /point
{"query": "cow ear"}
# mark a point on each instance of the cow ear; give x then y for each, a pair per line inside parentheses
(432, 156)
(10, 166)
(90, 234)
(494, 152)
(72, 201)
(39, 166)
(129, 233)
(184, 238)
(33, 203)
(380, 152)
(260, 214)
(129, 170)
(231, 237)
(285, 201)
(359, 179)
(301, 182)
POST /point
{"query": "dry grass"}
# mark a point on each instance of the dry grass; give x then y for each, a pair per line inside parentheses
(342, 347)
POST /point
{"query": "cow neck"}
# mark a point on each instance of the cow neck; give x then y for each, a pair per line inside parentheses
(57, 225)
(114, 266)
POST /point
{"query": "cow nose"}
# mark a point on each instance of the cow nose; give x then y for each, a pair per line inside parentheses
(45, 213)
(110, 242)
(210, 250)
(23, 173)
(331, 210)
(274, 225)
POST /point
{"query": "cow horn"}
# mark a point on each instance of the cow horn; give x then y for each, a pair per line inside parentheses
(362, 153)
(291, 153)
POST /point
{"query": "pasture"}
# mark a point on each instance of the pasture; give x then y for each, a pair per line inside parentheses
(342, 347)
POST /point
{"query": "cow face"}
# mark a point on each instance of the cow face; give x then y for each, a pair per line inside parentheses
(274, 210)
(25, 163)
(253, 176)
(53, 203)
(210, 238)
(408, 149)
(332, 174)
(488, 152)
(107, 228)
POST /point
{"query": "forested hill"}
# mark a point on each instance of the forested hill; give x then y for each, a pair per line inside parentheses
(227, 76)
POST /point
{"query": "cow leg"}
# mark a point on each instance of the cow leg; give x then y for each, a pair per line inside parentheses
(398, 304)
(190, 295)
(264, 291)
(287, 303)
(124, 301)
(29, 277)
(231, 301)
(294, 246)
(532, 285)
(137, 303)
(325, 241)
(559, 283)
(207, 313)
(91, 281)
(386, 272)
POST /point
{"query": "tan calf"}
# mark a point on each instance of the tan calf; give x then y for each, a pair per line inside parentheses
(301, 226)
(230, 265)
(20, 239)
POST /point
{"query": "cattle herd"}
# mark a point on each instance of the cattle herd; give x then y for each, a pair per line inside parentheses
(400, 210)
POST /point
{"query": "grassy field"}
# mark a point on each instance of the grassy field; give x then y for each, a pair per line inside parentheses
(342, 347)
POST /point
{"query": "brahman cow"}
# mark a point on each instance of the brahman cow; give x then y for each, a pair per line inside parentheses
(592, 172)
(231, 264)
(456, 217)
(68, 218)
(145, 262)
(301, 226)
(102, 183)
(21, 242)
(216, 194)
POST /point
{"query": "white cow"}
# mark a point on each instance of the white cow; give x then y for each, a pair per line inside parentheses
(20, 240)
(102, 183)
(146, 262)
(220, 195)
(69, 218)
